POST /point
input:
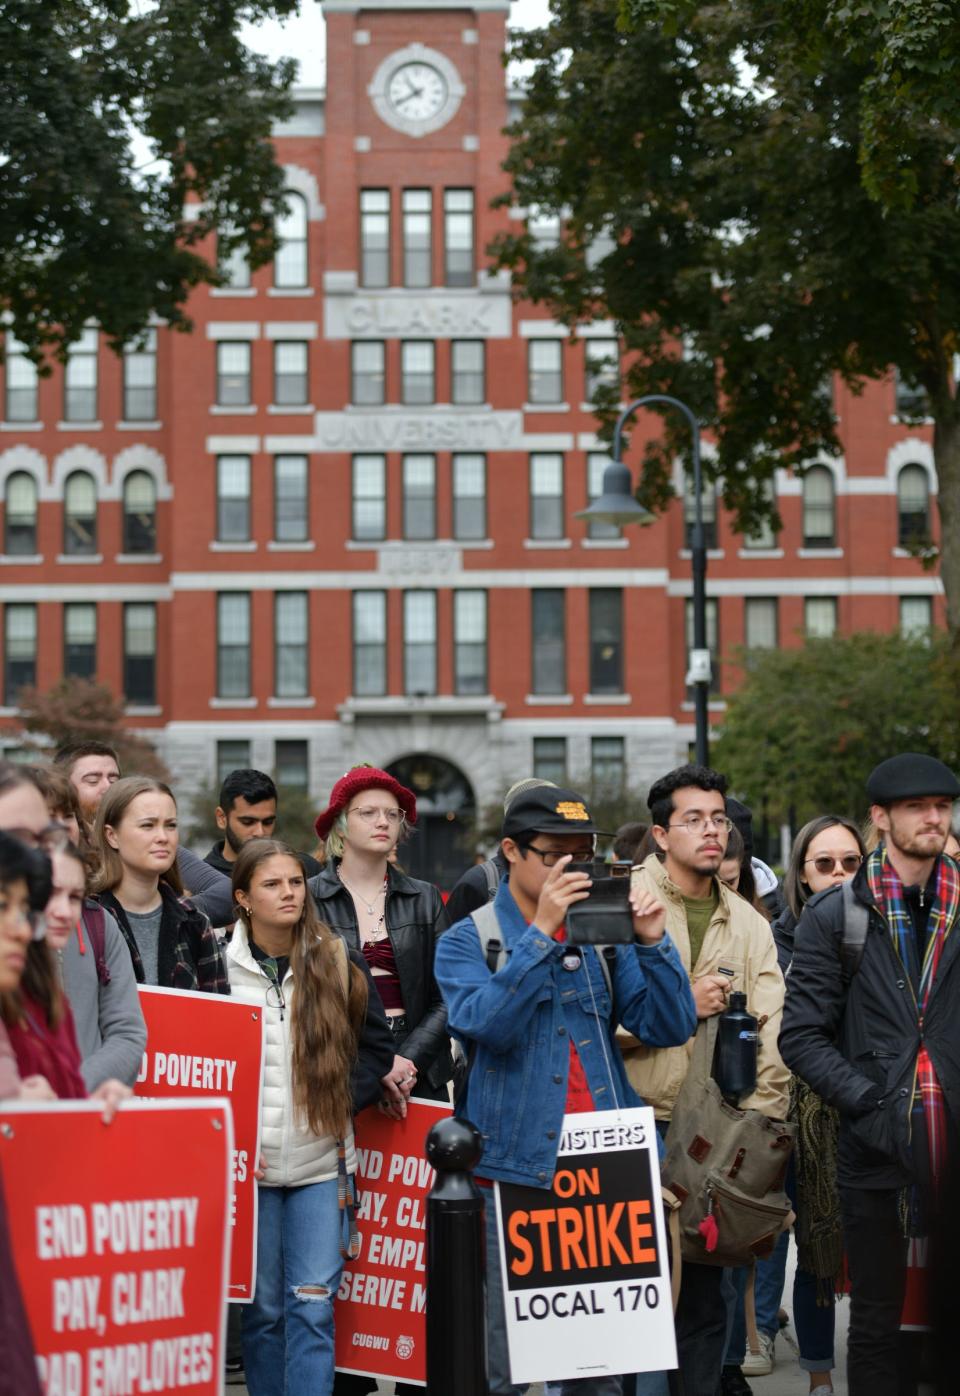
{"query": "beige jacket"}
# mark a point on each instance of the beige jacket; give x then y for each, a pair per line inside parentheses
(737, 939)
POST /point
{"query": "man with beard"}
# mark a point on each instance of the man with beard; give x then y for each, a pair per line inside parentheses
(725, 945)
(247, 810)
(872, 1025)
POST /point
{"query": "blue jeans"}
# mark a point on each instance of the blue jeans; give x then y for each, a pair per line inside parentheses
(498, 1358)
(288, 1329)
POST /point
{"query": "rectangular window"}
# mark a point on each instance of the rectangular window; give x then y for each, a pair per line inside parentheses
(233, 262)
(597, 463)
(369, 644)
(549, 641)
(417, 372)
(232, 756)
(911, 400)
(550, 759)
(607, 765)
(233, 644)
(140, 653)
(291, 504)
(763, 536)
(233, 499)
(368, 376)
(601, 362)
(470, 641)
(916, 617)
(546, 495)
(80, 378)
(606, 640)
(417, 217)
(760, 623)
(713, 641)
(291, 376)
(468, 378)
(20, 650)
(291, 628)
(458, 237)
(374, 237)
(469, 496)
(819, 511)
(369, 498)
(21, 383)
(233, 373)
(419, 642)
(820, 617)
(419, 497)
(544, 370)
(140, 379)
(291, 765)
(80, 640)
(708, 506)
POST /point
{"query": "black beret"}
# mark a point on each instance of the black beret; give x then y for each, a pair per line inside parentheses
(910, 776)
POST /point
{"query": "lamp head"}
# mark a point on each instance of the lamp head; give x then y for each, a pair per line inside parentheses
(616, 504)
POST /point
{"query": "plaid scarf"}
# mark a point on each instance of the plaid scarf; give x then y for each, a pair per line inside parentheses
(886, 889)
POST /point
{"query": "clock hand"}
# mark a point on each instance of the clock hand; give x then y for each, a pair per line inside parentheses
(414, 92)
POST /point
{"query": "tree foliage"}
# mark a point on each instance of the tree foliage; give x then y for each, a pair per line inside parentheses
(808, 725)
(84, 232)
(77, 710)
(707, 163)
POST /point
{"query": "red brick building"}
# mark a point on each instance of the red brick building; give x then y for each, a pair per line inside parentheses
(335, 523)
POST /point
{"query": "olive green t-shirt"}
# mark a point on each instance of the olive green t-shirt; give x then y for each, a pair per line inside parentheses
(699, 912)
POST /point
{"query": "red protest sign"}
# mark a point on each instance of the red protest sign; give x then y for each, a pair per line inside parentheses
(381, 1327)
(211, 1045)
(120, 1241)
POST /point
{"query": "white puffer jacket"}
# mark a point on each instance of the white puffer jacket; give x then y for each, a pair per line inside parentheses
(294, 1155)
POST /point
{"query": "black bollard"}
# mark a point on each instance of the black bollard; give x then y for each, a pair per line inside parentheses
(456, 1338)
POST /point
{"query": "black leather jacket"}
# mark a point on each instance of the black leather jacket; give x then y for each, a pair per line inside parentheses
(413, 911)
(855, 1041)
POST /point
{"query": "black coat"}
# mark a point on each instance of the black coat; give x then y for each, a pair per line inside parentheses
(413, 911)
(472, 890)
(856, 1042)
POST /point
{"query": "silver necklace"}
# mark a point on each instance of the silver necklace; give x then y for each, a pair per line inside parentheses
(370, 906)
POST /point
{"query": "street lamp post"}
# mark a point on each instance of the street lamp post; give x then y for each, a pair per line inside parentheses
(617, 505)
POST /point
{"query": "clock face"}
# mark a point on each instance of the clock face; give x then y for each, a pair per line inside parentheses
(417, 92)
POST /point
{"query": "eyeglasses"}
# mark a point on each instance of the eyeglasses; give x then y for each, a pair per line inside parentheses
(696, 823)
(824, 864)
(36, 920)
(551, 857)
(370, 814)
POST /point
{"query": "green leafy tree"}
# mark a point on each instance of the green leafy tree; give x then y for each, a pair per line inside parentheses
(808, 725)
(78, 710)
(296, 815)
(86, 232)
(707, 162)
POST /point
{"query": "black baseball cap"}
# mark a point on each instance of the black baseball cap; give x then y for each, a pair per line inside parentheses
(548, 810)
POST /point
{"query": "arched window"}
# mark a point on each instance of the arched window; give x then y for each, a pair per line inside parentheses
(80, 514)
(819, 513)
(20, 530)
(139, 513)
(290, 265)
(708, 508)
(913, 506)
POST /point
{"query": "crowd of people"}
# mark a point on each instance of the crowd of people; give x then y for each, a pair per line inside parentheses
(375, 992)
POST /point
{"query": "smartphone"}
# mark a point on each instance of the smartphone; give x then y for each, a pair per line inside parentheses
(604, 917)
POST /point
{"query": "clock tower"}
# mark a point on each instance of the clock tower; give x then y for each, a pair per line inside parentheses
(415, 100)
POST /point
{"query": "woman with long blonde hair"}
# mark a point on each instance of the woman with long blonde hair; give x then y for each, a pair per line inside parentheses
(135, 839)
(327, 1047)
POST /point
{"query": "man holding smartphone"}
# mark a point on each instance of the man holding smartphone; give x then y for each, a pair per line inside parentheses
(528, 1017)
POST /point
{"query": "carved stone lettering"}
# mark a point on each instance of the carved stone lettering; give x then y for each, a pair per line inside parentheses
(400, 431)
(425, 316)
(419, 562)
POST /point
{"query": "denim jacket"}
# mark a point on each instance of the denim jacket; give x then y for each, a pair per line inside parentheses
(523, 1018)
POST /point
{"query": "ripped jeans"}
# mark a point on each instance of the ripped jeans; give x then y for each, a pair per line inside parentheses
(288, 1329)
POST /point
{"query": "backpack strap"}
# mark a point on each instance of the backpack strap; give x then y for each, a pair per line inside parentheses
(856, 921)
(96, 927)
(492, 874)
(491, 937)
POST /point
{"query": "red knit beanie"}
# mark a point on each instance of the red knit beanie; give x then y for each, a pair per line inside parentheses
(364, 778)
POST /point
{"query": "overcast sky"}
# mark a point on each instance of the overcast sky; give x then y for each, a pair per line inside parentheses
(303, 36)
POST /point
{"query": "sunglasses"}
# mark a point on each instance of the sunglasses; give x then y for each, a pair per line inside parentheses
(825, 864)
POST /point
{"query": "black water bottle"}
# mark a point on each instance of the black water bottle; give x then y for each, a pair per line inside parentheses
(736, 1060)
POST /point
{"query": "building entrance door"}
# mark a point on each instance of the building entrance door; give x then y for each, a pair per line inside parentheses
(438, 849)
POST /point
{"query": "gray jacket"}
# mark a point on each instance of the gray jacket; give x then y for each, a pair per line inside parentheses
(110, 1027)
(209, 890)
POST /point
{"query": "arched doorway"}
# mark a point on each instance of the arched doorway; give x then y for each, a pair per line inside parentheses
(439, 848)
